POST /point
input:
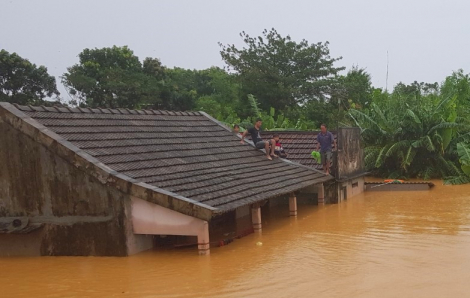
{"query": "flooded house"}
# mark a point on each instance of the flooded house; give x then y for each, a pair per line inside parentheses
(348, 158)
(114, 182)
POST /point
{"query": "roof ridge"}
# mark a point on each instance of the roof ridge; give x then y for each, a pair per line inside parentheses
(121, 111)
(178, 180)
(216, 121)
(252, 145)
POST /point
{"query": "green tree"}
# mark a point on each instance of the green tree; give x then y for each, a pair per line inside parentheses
(219, 87)
(355, 89)
(23, 82)
(320, 112)
(280, 72)
(113, 77)
(272, 120)
(458, 84)
(218, 83)
(212, 90)
(153, 67)
(416, 138)
(210, 106)
(180, 90)
(415, 89)
(463, 150)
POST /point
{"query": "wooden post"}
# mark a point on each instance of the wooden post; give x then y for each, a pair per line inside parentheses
(292, 205)
(203, 240)
(256, 217)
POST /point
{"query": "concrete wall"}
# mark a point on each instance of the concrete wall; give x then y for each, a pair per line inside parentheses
(349, 169)
(81, 215)
(350, 155)
(350, 188)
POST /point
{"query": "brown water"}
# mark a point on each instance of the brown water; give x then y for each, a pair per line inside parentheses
(413, 244)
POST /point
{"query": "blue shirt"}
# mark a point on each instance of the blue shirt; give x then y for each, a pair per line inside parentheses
(325, 141)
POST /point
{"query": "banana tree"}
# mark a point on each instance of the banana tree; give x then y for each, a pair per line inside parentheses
(404, 140)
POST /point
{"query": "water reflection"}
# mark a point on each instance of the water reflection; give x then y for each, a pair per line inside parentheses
(412, 244)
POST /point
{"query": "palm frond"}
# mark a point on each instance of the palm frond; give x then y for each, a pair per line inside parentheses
(424, 142)
(397, 147)
(372, 149)
(438, 141)
(381, 116)
(447, 167)
(355, 120)
(410, 154)
(363, 120)
(370, 156)
(453, 125)
(254, 105)
(430, 172)
(396, 175)
(463, 120)
(413, 116)
(442, 104)
(454, 169)
(463, 150)
(381, 157)
(461, 138)
(456, 180)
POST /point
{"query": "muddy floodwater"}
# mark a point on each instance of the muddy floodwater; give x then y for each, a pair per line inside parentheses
(379, 244)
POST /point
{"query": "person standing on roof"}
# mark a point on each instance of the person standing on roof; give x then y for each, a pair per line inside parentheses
(324, 140)
(258, 141)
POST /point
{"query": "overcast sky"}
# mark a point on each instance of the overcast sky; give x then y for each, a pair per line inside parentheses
(426, 39)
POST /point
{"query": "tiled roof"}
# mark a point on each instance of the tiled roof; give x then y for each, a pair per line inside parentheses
(186, 153)
(298, 145)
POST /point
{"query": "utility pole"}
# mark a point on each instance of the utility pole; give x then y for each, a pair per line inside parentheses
(386, 77)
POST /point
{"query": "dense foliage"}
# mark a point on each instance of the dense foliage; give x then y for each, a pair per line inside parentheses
(281, 72)
(113, 77)
(23, 82)
(418, 130)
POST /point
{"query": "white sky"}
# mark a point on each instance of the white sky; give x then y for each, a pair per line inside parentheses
(426, 39)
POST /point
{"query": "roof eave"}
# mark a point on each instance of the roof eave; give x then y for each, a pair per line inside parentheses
(315, 182)
(321, 180)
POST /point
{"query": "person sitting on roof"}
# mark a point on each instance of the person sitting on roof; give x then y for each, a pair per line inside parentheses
(268, 146)
(236, 129)
(278, 150)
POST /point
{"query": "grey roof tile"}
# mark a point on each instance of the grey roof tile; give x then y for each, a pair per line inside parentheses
(298, 145)
(185, 153)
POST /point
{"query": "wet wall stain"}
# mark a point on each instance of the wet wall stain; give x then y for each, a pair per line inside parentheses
(37, 183)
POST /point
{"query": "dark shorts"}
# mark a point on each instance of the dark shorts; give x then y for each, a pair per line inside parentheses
(260, 144)
(325, 157)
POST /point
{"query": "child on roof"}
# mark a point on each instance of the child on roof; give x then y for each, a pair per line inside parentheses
(236, 130)
(278, 150)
